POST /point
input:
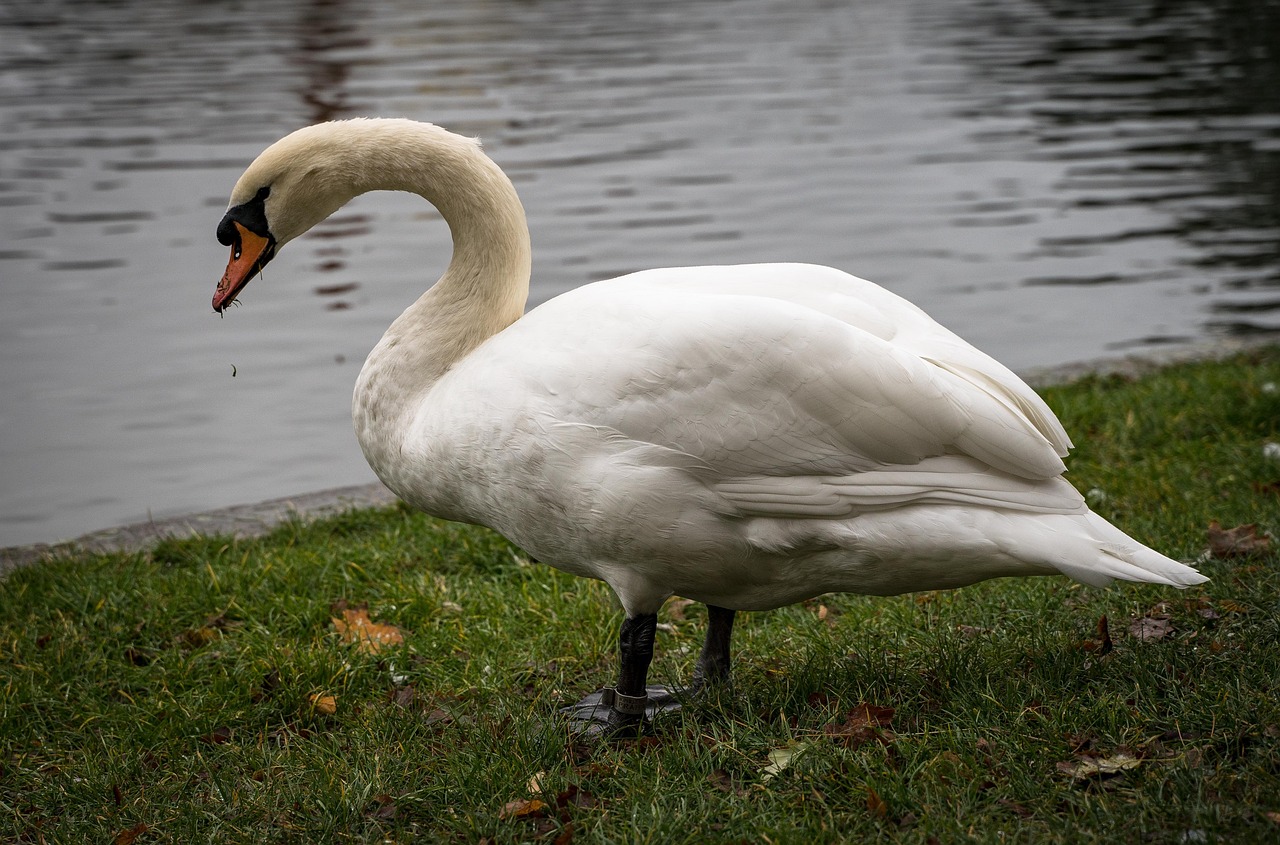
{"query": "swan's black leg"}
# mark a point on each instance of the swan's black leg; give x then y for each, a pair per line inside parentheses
(713, 663)
(621, 710)
(635, 651)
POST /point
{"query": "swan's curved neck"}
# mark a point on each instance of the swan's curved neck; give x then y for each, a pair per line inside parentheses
(482, 292)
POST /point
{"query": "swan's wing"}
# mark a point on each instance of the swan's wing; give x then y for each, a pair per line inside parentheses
(879, 313)
(763, 388)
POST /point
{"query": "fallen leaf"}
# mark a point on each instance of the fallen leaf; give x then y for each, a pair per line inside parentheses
(1233, 606)
(1102, 645)
(126, 837)
(370, 637)
(1098, 767)
(862, 724)
(535, 785)
(781, 758)
(383, 808)
(403, 696)
(724, 782)
(267, 689)
(522, 808)
(1018, 809)
(1272, 816)
(1150, 628)
(197, 637)
(217, 736)
(1241, 541)
(326, 705)
(575, 796)
(972, 630)
(875, 804)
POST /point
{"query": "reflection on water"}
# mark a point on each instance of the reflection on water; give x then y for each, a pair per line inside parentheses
(1056, 180)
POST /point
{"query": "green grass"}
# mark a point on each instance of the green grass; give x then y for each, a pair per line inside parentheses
(168, 696)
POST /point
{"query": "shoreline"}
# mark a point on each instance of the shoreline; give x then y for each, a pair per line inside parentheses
(254, 519)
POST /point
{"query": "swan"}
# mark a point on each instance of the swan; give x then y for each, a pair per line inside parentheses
(744, 436)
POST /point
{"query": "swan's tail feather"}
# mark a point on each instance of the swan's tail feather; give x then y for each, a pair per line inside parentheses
(1117, 555)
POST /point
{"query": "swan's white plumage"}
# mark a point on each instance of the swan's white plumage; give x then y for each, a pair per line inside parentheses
(747, 436)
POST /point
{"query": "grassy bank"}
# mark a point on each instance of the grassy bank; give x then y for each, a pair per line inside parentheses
(203, 692)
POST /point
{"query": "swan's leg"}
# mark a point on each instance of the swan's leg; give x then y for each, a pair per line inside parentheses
(713, 664)
(621, 710)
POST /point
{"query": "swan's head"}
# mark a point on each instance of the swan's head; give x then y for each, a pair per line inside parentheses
(296, 182)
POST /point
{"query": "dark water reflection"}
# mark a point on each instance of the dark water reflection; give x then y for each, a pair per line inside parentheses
(1055, 180)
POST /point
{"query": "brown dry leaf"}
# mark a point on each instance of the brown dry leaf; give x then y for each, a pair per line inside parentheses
(197, 637)
(128, 835)
(523, 808)
(724, 782)
(535, 785)
(1102, 645)
(1272, 816)
(217, 736)
(326, 705)
(1150, 628)
(875, 804)
(862, 724)
(383, 808)
(370, 637)
(403, 696)
(972, 630)
(1233, 606)
(1098, 767)
(1241, 541)
(575, 796)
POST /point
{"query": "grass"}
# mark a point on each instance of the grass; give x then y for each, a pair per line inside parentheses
(200, 692)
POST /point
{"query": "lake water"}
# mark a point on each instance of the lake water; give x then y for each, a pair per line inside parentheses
(1056, 180)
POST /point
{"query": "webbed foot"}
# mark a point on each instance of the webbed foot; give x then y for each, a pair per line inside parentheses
(609, 714)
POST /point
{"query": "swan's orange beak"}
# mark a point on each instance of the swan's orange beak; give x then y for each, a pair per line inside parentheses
(249, 254)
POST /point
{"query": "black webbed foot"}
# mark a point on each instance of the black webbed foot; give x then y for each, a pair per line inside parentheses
(608, 714)
(624, 710)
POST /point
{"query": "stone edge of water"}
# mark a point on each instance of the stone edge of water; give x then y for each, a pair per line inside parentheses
(252, 520)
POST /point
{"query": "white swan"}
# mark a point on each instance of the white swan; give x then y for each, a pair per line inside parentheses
(744, 436)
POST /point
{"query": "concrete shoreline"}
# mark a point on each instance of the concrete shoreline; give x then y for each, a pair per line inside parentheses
(252, 520)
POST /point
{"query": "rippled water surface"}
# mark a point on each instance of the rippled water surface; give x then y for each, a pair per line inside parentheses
(1055, 180)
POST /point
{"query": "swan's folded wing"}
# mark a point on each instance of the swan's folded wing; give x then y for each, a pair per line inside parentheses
(755, 386)
(880, 313)
(952, 480)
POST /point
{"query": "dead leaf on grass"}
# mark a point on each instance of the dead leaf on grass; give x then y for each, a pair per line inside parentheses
(217, 736)
(326, 705)
(128, 835)
(781, 758)
(370, 637)
(1272, 816)
(1150, 628)
(1102, 645)
(403, 696)
(1241, 541)
(382, 808)
(724, 782)
(523, 808)
(875, 804)
(862, 724)
(1085, 768)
